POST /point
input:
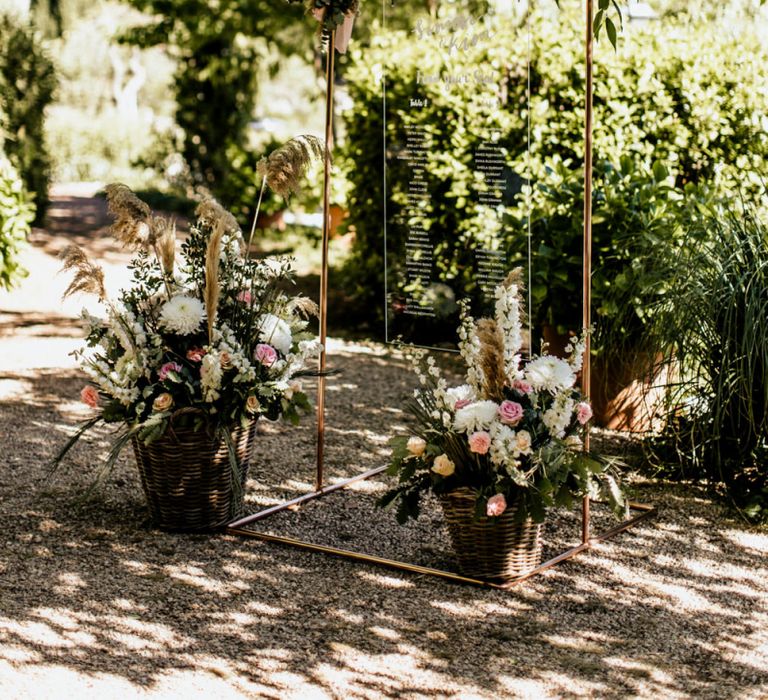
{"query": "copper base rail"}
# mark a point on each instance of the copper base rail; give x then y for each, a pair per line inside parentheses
(239, 527)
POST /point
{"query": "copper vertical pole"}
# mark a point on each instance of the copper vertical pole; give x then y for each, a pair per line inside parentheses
(329, 78)
(587, 272)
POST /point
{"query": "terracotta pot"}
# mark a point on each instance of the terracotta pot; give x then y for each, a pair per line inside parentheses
(624, 396)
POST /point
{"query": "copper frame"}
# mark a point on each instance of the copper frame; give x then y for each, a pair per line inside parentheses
(240, 526)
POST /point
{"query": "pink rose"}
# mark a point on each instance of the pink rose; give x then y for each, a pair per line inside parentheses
(510, 412)
(89, 396)
(583, 412)
(522, 386)
(461, 403)
(266, 354)
(245, 297)
(162, 373)
(480, 442)
(496, 505)
(195, 354)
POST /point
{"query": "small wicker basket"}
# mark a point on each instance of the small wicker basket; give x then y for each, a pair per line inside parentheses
(493, 549)
(187, 477)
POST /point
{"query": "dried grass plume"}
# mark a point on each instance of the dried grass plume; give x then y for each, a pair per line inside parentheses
(212, 285)
(166, 243)
(88, 277)
(285, 166)
(491, 358)
(133, 220)
(304, 307)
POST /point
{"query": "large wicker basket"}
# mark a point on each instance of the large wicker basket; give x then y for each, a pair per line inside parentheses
(188, 478)
(494, 549)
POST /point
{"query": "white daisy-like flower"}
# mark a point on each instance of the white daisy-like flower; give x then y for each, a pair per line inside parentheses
(476, 416)
(182, 314)
(550, 374)
(276, 332)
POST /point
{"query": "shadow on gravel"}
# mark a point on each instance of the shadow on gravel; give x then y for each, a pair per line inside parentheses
(675, 608)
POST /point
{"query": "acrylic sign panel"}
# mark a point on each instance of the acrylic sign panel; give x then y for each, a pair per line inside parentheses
(456, 144)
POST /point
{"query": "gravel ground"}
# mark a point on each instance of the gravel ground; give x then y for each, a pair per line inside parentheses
(94, 602)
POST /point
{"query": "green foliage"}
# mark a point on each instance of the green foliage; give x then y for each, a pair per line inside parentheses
(27, 83)
(16, 215)
(714, 326)
(215, 82)
(634, 231)
(691, 98)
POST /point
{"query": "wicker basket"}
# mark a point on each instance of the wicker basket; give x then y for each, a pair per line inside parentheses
(187, 477)
(494, 549)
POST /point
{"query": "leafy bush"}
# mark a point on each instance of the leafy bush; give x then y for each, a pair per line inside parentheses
(27, 82)
(714, 327)
(635, 231)
(216, 79)
(16, 215)
(692, 98)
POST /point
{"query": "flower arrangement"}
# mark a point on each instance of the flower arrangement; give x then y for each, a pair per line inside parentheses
(207, 338)
(513, 433)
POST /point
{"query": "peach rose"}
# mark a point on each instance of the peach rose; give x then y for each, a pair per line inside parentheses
(443, 466)
(416, 446)
(89, 396)
(162, 402)
(480, 442)
(226, 360)
(252, 404)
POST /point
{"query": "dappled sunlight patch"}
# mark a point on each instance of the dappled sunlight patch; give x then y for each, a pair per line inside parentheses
(385, 581)
(69, 584)
(646, 679)
(757, 542)
(195, 577)
(480, 609)
(13, 389)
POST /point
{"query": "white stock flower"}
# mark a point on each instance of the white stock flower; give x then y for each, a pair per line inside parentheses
(548, 373)
(275, 332)
(182, 314)
(559, 416)
(476, 416)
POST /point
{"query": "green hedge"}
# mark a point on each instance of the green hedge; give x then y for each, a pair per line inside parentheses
(27, 83)
(690, 97)
(16, 215)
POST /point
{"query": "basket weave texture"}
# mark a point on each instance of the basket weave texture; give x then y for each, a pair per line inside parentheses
(187, 477)
(495, 549)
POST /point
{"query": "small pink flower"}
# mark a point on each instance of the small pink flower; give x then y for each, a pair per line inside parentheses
(245, 297)
(195, 354)
(461, 403)
(89, 396)
(583, 412)
(522, 386)
(480, 442)
(266, 354)
(496, 505)
(163, 372)
(510, 412)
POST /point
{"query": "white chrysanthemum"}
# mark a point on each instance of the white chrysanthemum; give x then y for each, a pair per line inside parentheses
(550, 374)
(476, 416)
(182, 315)
(275, 332)
(460, 393)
